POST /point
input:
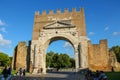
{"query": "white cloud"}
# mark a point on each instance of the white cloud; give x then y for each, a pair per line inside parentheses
(1, 23)
(3, 30)
(88, 39)
(106, 28)
(116, 33)
(68, 45)
(91, 33)
(4, 42)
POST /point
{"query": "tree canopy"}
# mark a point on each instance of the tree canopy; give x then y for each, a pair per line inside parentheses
(116, 50)
(59, 60)
(4, 59)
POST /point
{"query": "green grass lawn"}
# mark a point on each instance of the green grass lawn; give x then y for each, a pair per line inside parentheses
(113, 75)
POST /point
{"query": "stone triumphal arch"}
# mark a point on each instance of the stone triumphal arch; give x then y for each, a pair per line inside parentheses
(69, 26)
(66, 26)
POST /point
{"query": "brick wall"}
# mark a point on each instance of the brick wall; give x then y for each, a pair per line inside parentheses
(98, 56)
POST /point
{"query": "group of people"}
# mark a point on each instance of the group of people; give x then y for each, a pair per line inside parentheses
(7, 72)
(21, 72)
(98, 75)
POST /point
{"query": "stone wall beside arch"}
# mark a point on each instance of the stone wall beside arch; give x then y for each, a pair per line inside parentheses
(98, 56)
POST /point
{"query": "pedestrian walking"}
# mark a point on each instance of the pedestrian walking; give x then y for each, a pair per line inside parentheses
(20, 71)
(24, 72)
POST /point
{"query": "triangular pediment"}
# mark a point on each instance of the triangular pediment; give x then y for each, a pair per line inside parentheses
(58, 24)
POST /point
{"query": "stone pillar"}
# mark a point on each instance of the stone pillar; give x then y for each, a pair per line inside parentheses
(32, 54)
(44, 62)
(84, 54)
(35, 56)
(42, 59)
(35, 60)
(79, 58)
(76, 58)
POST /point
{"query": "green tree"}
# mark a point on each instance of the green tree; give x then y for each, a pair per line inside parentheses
(49, 59)
(57, 60)
(4, 59)
(72, 61)
(10, 60)
(64, 61)
(116, 50)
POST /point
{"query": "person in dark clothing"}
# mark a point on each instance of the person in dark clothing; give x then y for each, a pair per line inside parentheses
(89, 75)
(112, 69)
(20, 71)
(5, 72)
(23, 72)
(96, 75)
(102, 76)
(9, 70)
(41, 70)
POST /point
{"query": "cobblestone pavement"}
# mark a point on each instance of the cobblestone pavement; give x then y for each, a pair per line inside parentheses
(52, 76)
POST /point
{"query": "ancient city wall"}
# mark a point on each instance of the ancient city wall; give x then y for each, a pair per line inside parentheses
(113, 61)
(98, 57)
(20, 55)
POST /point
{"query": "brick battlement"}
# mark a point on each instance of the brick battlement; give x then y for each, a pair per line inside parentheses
(51, 12)
(75, 17)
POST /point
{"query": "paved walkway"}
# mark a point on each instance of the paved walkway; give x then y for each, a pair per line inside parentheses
(52, 76)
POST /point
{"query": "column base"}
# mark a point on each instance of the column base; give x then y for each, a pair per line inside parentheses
(35, 71)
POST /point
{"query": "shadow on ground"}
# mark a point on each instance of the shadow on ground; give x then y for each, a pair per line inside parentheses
(52, 76)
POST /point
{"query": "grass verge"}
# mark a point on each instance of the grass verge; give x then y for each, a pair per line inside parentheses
(113, 75)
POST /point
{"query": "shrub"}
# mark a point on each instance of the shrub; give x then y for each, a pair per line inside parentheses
(14, 72)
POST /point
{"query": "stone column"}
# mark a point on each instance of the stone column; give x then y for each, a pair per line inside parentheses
(35, 59)
(84, 54)
(35, 56)
(44, 62)
(42, 59)
(76, 58)
(31, 58)
(79, 53)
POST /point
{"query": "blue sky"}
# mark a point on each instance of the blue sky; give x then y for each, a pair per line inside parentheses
(17, 16)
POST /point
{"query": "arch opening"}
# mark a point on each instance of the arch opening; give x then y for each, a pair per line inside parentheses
(60, 47)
